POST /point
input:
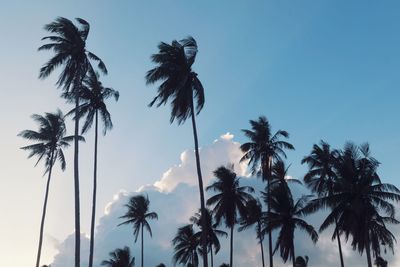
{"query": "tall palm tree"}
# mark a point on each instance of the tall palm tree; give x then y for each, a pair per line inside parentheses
(254, 216)
(180, 85)
(358, 197)
(285, 216)
(93, 95)
(120, 258)
(186, 244)
(68, 42)
(230, 201)
(321, 176)
(49, 141)
(212, 232)
(261, 152)
(138, 214)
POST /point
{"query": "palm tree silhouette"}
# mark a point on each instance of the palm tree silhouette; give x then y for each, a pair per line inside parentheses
(358, 197)
(301, 262)
(161, 265)
(263, 149)
(120, 258)
(230, 200)
(212, 232)
(68, 41)
(180, 84)
(93, 95)
(254, 216)
(186, 244)
(286, 215)
(138, 214)
(321, 176)
(49, 140)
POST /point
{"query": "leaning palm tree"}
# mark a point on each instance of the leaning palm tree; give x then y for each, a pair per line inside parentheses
(261, 152)
(93, 95)
(230, 201)
(186, 244)
(321, 176)
(285, 216)
(120, 258)
(68, 42)
(49, 141)
(254, 216)
(212, 232)
(180, 85)
(138, 214)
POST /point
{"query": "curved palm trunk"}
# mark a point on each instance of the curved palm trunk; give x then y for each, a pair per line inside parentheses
(271, 259)
(76, 186)
(142, 249)
(231, 253)
(261, 244)
(339, 245)
(201, 189)
(44, 212)
(91, 253)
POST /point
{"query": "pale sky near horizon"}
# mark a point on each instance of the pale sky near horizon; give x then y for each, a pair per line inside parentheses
(318, 69)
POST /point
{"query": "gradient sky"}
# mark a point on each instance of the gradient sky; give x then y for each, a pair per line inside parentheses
(318, 69)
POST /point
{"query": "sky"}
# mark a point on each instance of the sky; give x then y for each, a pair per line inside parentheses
(318, 69)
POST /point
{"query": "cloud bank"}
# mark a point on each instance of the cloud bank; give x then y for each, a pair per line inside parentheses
(175, 198)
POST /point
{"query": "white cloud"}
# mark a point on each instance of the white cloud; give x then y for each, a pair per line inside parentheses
(175, 198)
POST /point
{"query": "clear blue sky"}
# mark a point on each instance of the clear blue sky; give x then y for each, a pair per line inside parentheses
(318, 69)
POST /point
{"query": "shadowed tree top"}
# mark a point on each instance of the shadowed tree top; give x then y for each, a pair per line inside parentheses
(68, 42)
(50, 138)
(120, 258)
(179, 83)
(185, 244)
(263, 145)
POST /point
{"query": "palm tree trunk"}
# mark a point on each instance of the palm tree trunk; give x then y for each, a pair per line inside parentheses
(142, 249)
(91, 253)
(271, 260)
(76, 185)
(368, 251)
(231, 253)
(44, 211)
(212, 258)
(200, 180)
(261, 244)
(339, 245)
(293, 256)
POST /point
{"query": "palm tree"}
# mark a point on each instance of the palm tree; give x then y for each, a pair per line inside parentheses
(212, 232)
(224, 265)
(261, 152)
(186, 244)
(230, 200)
(321, 176)
(380, 262)
(180, 85)
(301, 262)
(120, 258)
(138, 214)
(357, 198)
(49, 140)
(161, 265)
(286, 215)
(254, 217)
(93, 95)
(68, 42)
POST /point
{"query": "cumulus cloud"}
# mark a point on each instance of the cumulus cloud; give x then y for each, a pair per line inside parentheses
(175, 198)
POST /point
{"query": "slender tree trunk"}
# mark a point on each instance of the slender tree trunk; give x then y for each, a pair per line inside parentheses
(91, 253)
(201, 189)
(44, 211)
(293, 256)
(142, 248)
(212, 258)
(231, 254)
(339, 245)
(271, 260)
(76, 185)
(368, 251)
(261, 243)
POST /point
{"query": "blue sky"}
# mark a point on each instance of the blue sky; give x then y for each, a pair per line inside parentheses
(318, 69)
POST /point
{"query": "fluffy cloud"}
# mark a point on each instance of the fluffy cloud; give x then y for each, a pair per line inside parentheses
(175, 198)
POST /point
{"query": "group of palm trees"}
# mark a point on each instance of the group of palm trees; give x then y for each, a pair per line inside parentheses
(343, 181)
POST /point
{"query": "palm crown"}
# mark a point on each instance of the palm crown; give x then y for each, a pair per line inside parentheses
(120, 258)
(178, 81)
(185, 244)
